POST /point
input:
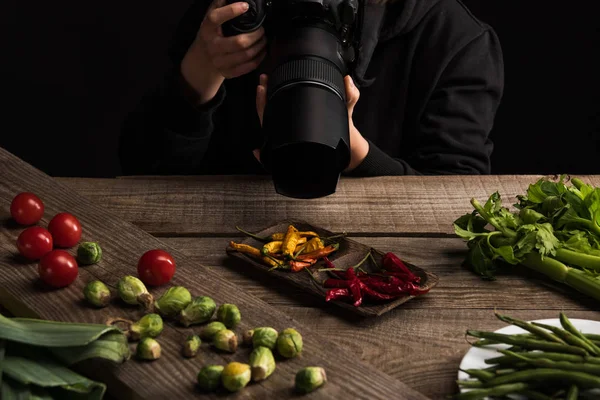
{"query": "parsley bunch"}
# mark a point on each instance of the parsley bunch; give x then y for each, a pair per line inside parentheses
(554, 230)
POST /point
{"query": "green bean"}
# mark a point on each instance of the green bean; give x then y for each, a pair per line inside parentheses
(470, 384)
(542, 334)
(529, 343)
(580, 379)
(569, 337)
(593, 369)
(573, 393)
(592, 336)
(566, 323)
(499, 390)
(551, 356)
(480, 374)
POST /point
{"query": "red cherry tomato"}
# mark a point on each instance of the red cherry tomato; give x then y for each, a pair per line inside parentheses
(34, 242)
(156, 267)
(58, 268)
(26, 208)
(65, 229)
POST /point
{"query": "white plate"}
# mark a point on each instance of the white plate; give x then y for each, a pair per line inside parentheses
(476, 356)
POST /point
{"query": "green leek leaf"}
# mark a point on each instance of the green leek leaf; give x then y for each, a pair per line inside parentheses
(45, 333)
(46, 373)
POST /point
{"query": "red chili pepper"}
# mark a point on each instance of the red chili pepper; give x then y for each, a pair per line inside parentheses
(329, 264)
(335, 294)
(397, 288)
(319, 253)
(373, 294)
(392, 263)
(354, 285)
(335, 283)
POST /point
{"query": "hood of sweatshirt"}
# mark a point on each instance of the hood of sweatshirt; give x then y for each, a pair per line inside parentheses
(384, 20)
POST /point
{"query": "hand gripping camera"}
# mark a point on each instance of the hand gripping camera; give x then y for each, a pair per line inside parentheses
(312, 46)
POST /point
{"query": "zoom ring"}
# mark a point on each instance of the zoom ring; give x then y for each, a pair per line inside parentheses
(310, 70)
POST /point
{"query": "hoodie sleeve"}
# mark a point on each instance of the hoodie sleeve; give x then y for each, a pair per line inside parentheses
(167, 133)
(453, 135)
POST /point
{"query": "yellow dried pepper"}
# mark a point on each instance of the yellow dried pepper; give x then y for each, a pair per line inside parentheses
(290, 241)
(313, 244)
(246, 249)
(275, 246)
(281, 235)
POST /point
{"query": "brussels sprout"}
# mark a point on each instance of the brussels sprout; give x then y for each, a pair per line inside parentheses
(262, 363)
(289, 343)
(309, 379)
(200, 310)
(235, 376)
(148, 349)
(229, 315)
(89, 253)
(133, 291)
(225, 340)
(97, 293)
(211, 329)
(172, 301)
(209, 377)
(150, 325)
(265, 336)
(247, 337)
(191, 346)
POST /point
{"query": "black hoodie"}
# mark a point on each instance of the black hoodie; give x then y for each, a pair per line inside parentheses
(430, 76)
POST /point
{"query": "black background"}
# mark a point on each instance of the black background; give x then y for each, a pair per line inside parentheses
(71, 70)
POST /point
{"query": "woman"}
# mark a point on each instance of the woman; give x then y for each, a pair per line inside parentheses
(422, 99)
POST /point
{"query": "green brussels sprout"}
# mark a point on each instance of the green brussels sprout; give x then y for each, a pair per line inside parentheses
(235, 376)
(175, 299)
(309, 379)
(247, 337)
(191, 346)
(262, 363)
(150, 325)
(289, 343)
(265, 336)
(133, 291)
(97, 293)
(209, 377)
(229, 315)
(148, 349)
(89, 253)
(225, 340)
(209, 331)
(200, 310)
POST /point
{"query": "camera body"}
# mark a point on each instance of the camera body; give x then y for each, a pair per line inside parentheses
(311, 47)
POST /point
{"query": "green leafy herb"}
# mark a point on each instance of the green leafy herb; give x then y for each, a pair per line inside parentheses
(554, 230)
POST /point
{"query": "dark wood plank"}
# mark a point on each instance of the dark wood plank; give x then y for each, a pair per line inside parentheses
(208, 205)
(421, 347)
(458, 287)
(171, 376)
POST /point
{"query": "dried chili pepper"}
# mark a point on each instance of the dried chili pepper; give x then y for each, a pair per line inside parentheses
(290, 241)
(374, 295)
(392, 263)
(299, 265)
(329, 265)
(319, 253)
(246, 249)
(354, 285)
(335, 283)
(281, 235)
(396, 287)
(335, 294)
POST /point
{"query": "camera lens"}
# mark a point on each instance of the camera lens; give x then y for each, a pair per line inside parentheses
(305, 123)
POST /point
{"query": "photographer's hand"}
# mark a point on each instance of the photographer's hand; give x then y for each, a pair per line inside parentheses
(359, 147)
(212, 57)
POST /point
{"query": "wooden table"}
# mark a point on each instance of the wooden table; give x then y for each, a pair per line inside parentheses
(420, 343)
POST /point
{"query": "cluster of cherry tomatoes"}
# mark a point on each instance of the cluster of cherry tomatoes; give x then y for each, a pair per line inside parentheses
(57, 267)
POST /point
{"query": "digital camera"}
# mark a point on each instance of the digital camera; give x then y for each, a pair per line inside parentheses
(312, 45)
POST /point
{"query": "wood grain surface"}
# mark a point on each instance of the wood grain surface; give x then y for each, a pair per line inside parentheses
(171, 376)
(208, 205)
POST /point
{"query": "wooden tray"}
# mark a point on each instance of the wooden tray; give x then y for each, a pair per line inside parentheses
(349, 254)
